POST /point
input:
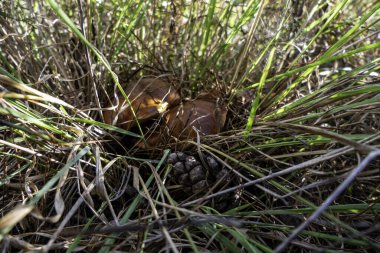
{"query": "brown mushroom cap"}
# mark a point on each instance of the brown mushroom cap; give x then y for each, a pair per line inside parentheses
(148, 97)
(206, 114)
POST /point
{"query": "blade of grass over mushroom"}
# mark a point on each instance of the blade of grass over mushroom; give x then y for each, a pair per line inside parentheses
(57, 9)
(256, 101)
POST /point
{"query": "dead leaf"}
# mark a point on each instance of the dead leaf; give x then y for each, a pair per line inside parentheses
(15, 216)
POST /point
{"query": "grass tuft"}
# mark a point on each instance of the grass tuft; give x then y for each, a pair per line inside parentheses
(300, 146)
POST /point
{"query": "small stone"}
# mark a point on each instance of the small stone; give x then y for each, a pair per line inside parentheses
(173, 158)
(181, 156)
(179, 168)
(184, 179)
(190, 162)
(197, 174)
(199, 186)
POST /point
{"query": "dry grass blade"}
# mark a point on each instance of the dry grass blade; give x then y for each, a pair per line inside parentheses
(358, 146)
(338, 191)
(330, 155)
(155, 214)
(248, 44)
(22, 87)
(9, 220)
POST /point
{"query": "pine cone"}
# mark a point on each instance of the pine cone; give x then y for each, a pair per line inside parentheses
(192, 174)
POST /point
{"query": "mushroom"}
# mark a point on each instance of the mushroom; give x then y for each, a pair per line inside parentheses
(205, 115)
(148, 98)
